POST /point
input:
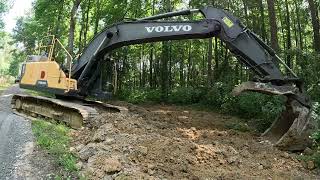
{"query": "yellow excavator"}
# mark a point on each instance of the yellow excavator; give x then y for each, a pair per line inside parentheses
(83, 76)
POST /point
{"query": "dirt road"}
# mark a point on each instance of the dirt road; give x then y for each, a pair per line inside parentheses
(15, 137)
(19, 157)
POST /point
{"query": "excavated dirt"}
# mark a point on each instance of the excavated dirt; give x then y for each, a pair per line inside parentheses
(168, 142)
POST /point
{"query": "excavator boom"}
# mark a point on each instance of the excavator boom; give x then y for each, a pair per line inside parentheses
(289, 132)
(216, 23)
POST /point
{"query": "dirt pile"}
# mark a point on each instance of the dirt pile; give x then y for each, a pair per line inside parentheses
(166, 142)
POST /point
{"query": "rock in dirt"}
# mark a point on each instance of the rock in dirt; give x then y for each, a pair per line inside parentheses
(79, 147)
(102, 133)
(109, 141)
(109, 165)
(245, 154)
(79, 165)
(88, 151)
(112, 165)
(308, 151)
(310, 165)
(286, 155)
(266, 164)
(232, 159)
(143, 150)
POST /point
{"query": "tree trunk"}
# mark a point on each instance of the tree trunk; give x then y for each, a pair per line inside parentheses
(151, 72)
(288, 29)
(97, 16)
(209, 80)
(216, 58)
(86, 24)
(73, 12)
(189, 64)
(273, 25)
(300, 31)
(246, 13)
(181, 71)
(315, 25)
(262, 22)
(59, 21)
(82, 27)
(282, 25)
(164, 70)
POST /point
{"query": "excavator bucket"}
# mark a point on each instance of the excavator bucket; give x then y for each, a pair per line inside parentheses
(292, 130)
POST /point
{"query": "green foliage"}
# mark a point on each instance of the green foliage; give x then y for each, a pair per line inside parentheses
(5, 53)
(4, 6)
(316, 138)
(140, 96)
(315, 156)
(15, 64)
(217, 95)
(186, 95)
(5, 82)
(55, 139)
(40, 93)
(310, 73)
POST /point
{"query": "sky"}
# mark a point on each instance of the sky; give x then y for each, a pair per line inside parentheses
(19, 8)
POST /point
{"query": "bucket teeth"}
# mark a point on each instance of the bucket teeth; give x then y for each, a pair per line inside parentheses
(292, 130)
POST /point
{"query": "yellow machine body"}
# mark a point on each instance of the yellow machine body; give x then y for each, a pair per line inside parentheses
(46, 76)
(43, 73)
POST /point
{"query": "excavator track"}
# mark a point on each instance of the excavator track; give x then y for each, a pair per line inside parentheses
(76, 114)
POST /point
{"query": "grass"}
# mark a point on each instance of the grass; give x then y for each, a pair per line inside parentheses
(4, 86)
(54, 139)
(315, 157)
(39, 93)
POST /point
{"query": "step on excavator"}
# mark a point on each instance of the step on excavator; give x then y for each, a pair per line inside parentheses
(82, 78)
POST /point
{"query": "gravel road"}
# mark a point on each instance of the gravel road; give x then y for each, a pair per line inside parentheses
(15, 138)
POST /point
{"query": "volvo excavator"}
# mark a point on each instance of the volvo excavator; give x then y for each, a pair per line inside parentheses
(82, 78)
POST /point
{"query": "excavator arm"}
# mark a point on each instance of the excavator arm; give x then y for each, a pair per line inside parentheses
(243, 43)
(216, 23)
(291, 131)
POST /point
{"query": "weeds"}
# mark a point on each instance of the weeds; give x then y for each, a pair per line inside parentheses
(55, 139)
(39, 93)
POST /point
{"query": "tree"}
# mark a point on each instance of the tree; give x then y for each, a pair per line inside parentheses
(273, 25)
(4, 6)
(288, 29)
(315, 24)
(73, 12)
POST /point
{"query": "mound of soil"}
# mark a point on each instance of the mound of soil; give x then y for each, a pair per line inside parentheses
(168, 142)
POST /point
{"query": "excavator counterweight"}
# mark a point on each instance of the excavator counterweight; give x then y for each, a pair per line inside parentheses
(83, 77)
